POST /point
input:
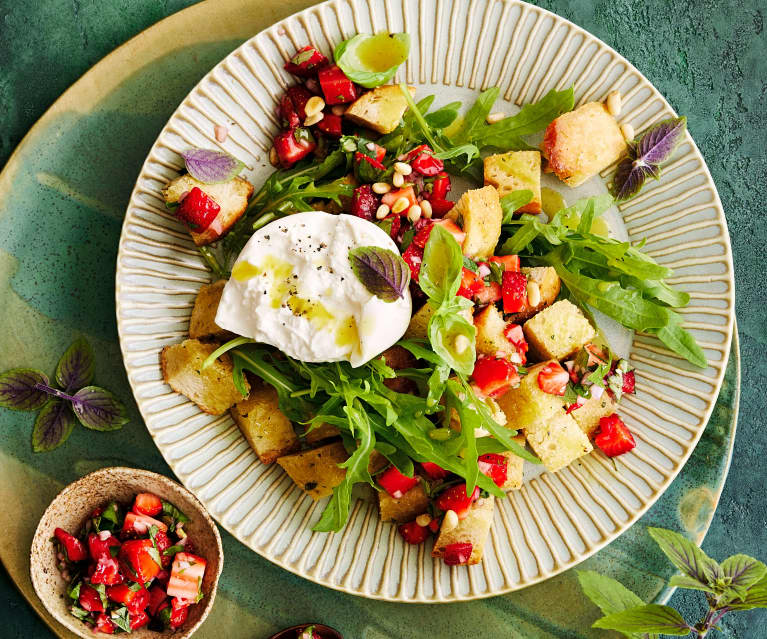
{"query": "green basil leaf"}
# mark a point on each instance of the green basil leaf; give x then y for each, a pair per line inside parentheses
(349, 56)
(651, 618)
(756, 597)
(441, 269)
(740, 573)
(686, 556)
(452, 337)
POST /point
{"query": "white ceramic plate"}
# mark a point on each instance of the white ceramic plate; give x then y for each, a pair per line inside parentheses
(557, 519)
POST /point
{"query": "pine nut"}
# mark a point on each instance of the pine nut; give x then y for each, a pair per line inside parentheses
(381, 187)
(614, 103)
(274, 160)
(495, 117)
(423, 520)
(628, 131)
(314, 105)
(382, 212)
(450, 521)
(313, 119)
(398, 179)
(403, 167)
(533, 294)
(338, 109)
(400, 205)
(461, 343)
(414, 213)
(426, 210)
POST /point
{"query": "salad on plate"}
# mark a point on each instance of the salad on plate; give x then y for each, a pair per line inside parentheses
(402, 304)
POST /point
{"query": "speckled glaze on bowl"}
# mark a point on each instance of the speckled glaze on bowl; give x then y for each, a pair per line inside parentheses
(71, 508)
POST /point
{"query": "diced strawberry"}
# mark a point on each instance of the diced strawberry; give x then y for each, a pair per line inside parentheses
(434, 525)
(422, 236)
(337, 88)
(299, 96)
(305, 62)
(294, 145)
(104, 624)
(134, 600)
(288, 116)
(395, 483)
(515, 335)
(186, 576)
(73, 547)
(454, 230)
(614, 437)
(552, 379)
(179, 613)
(471, 283)
(137, 561)
(455, 498)
(416, 151)
(374, 162)
(331, 125)
(488, 294)
(163, 542)
(138, 619)
(156, 597)
(425, 163)
(457, 553)
(163, 576)
(107, 572)
(514, 291)
(433, 471)
(495, 466)
(440, 208)
(147, 504)
(413, 533)
(197, 210)
(90, 599)
(494, 375)
(629, 382)
(437, 189)
(98, 547)
(395, 194)
(364, 202)
(141, 524)
(413, 257)
(396, 224)
(509, 262)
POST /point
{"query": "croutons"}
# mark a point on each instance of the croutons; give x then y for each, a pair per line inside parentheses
(557, 331)
(589, 414)
(581, 143)
(316, 471)
(231, 196)
(419, 323)
(380, 109)
(413, 503)
(514, 468)
(527, 403)
(481, 215)
(264, 425)
(490, 326)
(557, 441)
(211, 389)
(473, 529)
(548, 283)
(202, 324)
(323, 431)
(516, 171)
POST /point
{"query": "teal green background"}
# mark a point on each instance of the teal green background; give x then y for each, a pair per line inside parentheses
(708, 59)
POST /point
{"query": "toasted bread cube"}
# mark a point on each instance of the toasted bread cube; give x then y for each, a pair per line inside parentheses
(264, 425)
(588, 415)
(549, 284)
(473, 529)
(581, 143)
(515, 467)
(211, 389)
(419, 323)
(481, 215)
(232, 196)
(316, 471)
(557, 331)
(557, 441)
(202, 324)
(527, 403)
(516, 171)
(323, 431)
(380, 109)
(413, 503)
(490, 326)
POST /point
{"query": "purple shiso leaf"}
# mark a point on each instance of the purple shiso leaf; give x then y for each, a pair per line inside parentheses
(211, 167)
(381, 271)
(658, 143)
(98, 409)
(75, 368)
(53, 426)
(19, 391)
(630, 177)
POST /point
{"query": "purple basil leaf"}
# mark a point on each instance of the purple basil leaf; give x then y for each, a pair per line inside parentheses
(18, 391)
(630, 177)
(381, 271)
(75, 368)
(210, 166)
(658, 143)
(98, 409)
(53, 426)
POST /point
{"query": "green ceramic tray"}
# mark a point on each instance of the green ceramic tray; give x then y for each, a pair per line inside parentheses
(62, 198)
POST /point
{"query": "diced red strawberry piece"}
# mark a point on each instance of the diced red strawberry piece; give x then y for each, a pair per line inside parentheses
(147, 504)
(179, 612)
(163, 576)
(163, 542)
(364, 202)
(552, 379)
(107, 572)
(471, 283)
(134, 600)
(426, 164)
(434, 525)
(294, 145)
(305, 62)
(488, 294)
(299, 96)
(415, 152)
(395, 194)
(422, 236)
(457, 553)
(98, 547)
(494, 375)
(413, 257)
(197, 210)
(396, 224)
(141, 524)
(413, 533)
(375, 163)
(495, 466)
(514, 290)
(138, 619)
(90, 599)
(104, 624)
(73, 547)
(288, 116)
(440, 208)
(629, 382)
(515, 335)
(614, 437)
(454, 230)
(455, 498)
(156, 597)
(437, 189)
(509, 262)
(434, 471)
(395, 483)
(137, 561)
(186, 576)
(337, 88)
(331, 125)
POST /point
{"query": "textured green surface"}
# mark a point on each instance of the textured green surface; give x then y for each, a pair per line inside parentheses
(707, 60)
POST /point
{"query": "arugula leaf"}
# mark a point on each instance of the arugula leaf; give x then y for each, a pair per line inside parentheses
(513, 201)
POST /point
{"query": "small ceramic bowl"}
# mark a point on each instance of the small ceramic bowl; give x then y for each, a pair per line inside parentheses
(71, 508)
